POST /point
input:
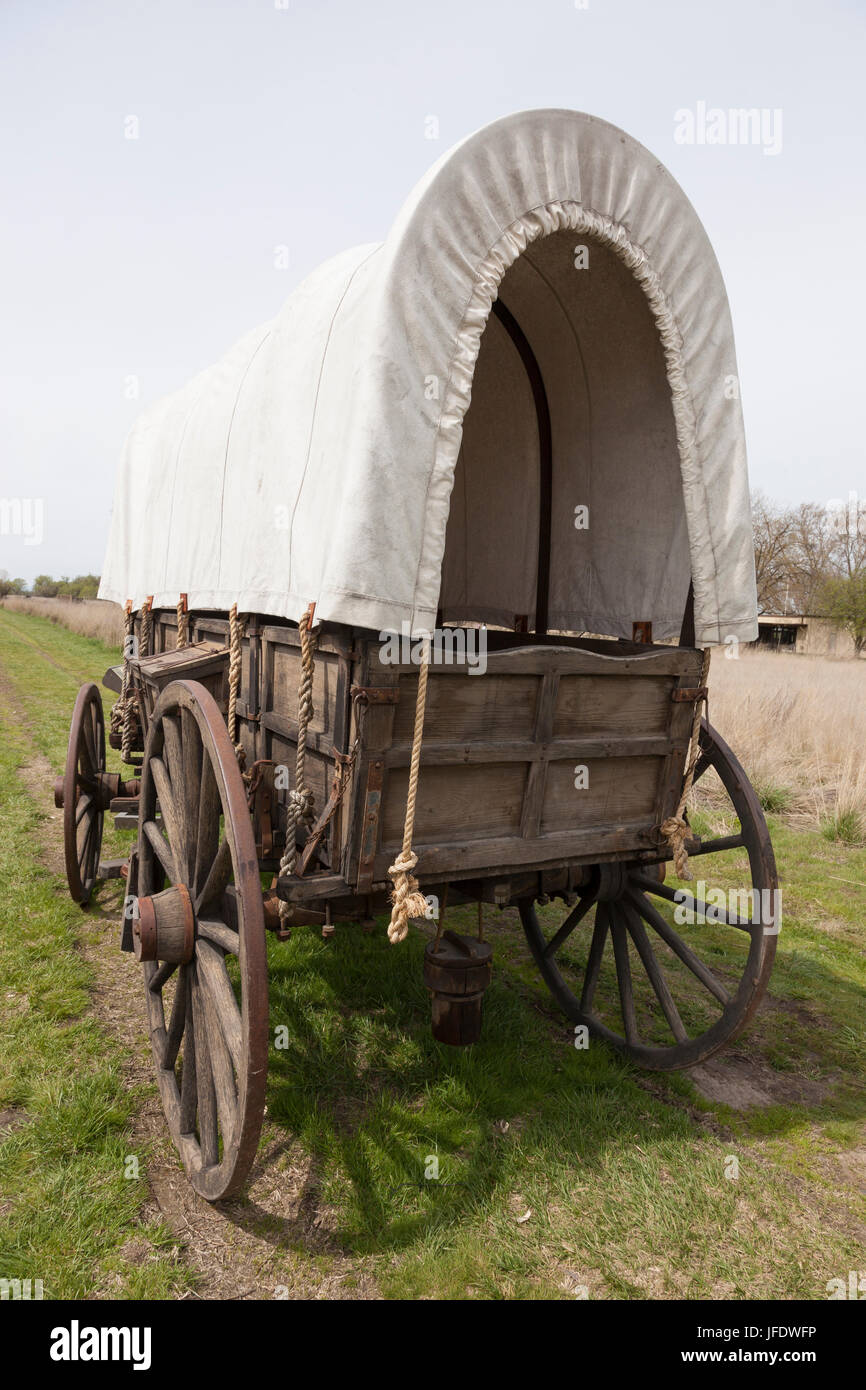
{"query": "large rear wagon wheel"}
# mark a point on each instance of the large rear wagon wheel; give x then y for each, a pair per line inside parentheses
(200, 934)
(80, 794)
(669, 995)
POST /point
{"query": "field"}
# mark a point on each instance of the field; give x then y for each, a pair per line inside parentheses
(561, 1173)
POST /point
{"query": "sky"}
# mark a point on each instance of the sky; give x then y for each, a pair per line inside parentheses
(154, 156)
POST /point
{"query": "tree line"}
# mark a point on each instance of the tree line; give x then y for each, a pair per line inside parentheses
(43, 586)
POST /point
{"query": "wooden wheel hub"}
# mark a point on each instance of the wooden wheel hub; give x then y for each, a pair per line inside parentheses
(165, 927)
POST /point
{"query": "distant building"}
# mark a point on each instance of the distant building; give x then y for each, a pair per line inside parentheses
(804, 634)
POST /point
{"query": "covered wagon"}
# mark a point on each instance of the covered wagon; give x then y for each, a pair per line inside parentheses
(421, 582)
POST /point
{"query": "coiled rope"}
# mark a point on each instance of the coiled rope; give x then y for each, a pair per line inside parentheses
(300, 807)
(676, 828)
(407, 900)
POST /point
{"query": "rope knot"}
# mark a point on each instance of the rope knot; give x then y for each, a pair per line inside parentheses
(302, 803)
(676, 831)
(404, 863)
(407, 900)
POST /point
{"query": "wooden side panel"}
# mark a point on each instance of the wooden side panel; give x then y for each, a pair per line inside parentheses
(611, 791)
(456, 804)
(285, 678)
(605, 705)
(502, 751)
(460, 706)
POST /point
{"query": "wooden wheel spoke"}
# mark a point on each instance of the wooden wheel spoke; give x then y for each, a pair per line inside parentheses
(639, 936)
(593, 965)
(177, 1023)
(87, 746)
(159, 977)
(222, 1071)
(219, 934)
(172, 754)
(623, 977)
(681, 897)
(188, 1087)
(653, 918)
(574, 917)
(192, 767)
(161, 848)
(87, 842)
(217, 879)
(167, 807)
(213, 979)
(719, 845)
(182, 836)
(208, 827)
(208, 1130)
(81, 809)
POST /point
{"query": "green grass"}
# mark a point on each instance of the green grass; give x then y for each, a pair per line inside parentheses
(68, 1207)
(624, 1173)
(846, 826)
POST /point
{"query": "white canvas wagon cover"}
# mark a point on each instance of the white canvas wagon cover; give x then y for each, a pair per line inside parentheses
(324, 457)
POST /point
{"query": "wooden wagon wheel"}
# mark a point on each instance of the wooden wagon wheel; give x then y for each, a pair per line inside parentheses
(666, 1006)
(80, 794)
(202, 940)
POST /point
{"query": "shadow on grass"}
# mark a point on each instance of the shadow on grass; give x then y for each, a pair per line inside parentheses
(397, 1135)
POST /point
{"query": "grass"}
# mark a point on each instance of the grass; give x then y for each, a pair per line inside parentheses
(799, 725)
(96, 618)
(68, 1205)
(522, 1168)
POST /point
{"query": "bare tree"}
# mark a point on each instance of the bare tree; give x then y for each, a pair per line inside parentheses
(771, 526)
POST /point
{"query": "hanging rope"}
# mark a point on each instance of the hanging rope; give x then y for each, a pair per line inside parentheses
(182, 623)
(300, 807)
(146, 627)
(236, 634)
(123, 714)
(676, 828)
(407, 900)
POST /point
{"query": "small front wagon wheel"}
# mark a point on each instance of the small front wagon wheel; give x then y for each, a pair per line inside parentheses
(670, 993)
(200, 934)
(80, 794)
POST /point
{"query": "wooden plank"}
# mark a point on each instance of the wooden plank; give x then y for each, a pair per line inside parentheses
(539, 658)
(536, 781)
(455, 803)
(617, 790)
(510, 851)
(599, 705)
(525, 751)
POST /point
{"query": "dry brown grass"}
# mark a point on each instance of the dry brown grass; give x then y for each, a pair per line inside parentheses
(88, 617)
(798, 726)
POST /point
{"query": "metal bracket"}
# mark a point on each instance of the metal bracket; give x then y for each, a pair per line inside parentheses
(687, 694)
(376, 694)
(370, 825)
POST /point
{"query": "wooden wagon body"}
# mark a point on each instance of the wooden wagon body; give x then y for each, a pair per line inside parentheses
(502, 750)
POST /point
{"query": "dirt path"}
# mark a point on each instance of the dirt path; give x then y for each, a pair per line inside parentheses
(274, 1242)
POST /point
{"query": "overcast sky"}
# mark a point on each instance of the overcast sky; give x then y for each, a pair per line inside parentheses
(130, 264)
